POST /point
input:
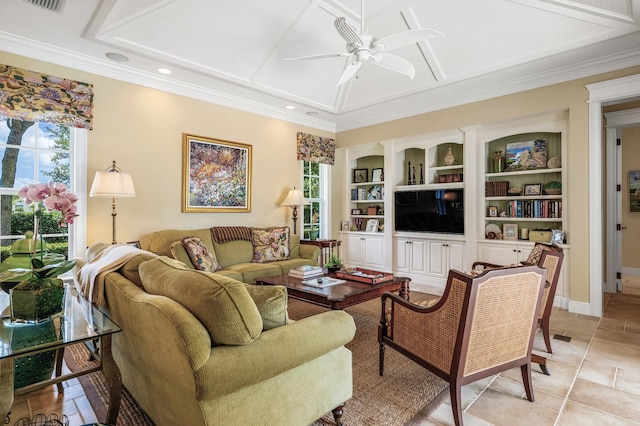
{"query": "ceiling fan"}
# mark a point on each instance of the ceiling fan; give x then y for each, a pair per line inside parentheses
(364, 47)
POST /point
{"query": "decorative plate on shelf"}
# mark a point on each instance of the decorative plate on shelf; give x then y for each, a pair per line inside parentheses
(493, 232)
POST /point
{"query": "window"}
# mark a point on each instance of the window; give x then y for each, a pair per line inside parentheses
(32, 152)
(315, 184)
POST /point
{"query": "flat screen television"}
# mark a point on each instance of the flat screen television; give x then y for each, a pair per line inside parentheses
(437, 210)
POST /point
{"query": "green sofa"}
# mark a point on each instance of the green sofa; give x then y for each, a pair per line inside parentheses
(199, 348)
(235, 257)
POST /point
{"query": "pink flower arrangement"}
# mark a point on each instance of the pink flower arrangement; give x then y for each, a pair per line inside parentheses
(53, 196)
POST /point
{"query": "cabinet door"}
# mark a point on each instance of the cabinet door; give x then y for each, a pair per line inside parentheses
(500, 254)
(457, 256)
(418, 264)
(353, 250)
(436, 258)
(373, 248)
(402, 254)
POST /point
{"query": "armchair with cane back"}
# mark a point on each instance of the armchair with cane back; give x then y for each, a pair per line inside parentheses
(481, 326)
(549, 257)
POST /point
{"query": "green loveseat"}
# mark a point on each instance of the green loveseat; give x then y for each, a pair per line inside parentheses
(199, 348)
(235, 257)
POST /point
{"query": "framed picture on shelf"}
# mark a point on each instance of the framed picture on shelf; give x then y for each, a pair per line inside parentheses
(344, 225)
(532, 189)
(360, 175)
(493, 211)
(372, 225)
(374, 193)
(527, 155)
(377, 175)
(510, 231)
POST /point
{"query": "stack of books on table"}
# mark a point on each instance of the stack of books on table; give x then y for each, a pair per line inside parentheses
(306, 271)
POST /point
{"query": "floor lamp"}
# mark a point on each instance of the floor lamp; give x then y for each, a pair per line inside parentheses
(113, 183)
(294, 200)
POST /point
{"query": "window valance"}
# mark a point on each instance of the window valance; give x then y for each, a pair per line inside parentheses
(316, 149)
(33, 96)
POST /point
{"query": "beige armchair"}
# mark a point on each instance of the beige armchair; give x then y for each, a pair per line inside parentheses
(549, 257)
(482, 325)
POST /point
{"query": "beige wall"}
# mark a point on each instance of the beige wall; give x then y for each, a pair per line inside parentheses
(142, 128)
(572, 97)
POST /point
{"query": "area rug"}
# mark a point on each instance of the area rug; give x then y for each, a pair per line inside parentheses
(406, 394)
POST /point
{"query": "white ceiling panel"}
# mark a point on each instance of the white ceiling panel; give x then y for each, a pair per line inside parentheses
(233, 52)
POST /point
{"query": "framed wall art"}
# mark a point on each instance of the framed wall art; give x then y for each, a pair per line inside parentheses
(216, 175)
(634, 191)
(526, 155)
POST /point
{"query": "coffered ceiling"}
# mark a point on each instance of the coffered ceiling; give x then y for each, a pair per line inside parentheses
(232, 52)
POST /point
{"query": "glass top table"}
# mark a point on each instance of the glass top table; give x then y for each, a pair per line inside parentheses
(80, 322)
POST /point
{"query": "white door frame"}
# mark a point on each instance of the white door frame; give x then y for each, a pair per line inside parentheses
(616, 121)
(601, 93)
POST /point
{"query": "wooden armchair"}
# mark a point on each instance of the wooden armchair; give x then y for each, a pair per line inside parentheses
(482, 325)
(549, 257)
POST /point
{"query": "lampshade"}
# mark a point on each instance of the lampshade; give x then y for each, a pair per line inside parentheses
(112, 183)
(295, 198)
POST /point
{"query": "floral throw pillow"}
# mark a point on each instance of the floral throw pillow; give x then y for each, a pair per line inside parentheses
(270, 244)
(200, 255)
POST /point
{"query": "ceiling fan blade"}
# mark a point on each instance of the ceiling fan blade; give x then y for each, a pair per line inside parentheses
(349, 72)
(394, 63)
(348, 33)
(319, 56)
(404, 38)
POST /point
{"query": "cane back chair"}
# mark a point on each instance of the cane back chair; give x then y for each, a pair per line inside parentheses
(482, 325)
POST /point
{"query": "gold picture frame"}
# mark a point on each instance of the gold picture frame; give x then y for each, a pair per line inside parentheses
(216, 175)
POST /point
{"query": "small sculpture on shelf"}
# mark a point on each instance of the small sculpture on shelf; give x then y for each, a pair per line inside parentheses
(449, 158)
(498, 162)
(409, 173)
(413, 179)
(421, 175)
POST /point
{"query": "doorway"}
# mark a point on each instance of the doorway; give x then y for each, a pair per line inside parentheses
(623, 200)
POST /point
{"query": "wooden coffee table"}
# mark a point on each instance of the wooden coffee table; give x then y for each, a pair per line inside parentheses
(337, 296)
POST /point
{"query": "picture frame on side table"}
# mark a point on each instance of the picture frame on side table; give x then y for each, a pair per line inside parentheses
(510, 231)
(372, 225)
(377, 175)
(493, 211)
(360, 175)
(532, 189)
(216, 175)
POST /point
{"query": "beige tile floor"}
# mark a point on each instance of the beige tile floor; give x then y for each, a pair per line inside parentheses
(595, 380)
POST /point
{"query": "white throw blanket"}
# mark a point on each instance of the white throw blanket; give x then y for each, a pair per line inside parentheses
(91, 276)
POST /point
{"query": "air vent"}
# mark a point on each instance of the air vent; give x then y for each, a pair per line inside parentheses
(52, 5)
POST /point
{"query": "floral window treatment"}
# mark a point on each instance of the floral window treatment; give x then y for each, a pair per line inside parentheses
(316, 149)
(33, 96)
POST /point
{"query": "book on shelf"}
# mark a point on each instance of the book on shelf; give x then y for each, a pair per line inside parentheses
(323, 282)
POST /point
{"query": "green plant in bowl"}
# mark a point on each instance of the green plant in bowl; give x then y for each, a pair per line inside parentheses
(334, 263)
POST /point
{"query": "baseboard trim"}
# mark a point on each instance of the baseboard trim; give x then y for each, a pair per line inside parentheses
(581, 308)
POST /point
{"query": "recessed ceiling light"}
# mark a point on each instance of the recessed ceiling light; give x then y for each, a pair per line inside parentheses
(116, 57)
(164, 70)
(312, 113)
(290, 107)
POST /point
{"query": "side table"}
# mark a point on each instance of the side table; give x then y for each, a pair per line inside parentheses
(80, 322)
(326, 248)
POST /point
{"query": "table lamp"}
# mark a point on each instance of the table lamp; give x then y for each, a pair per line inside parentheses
(294, 200)
(113, 183)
